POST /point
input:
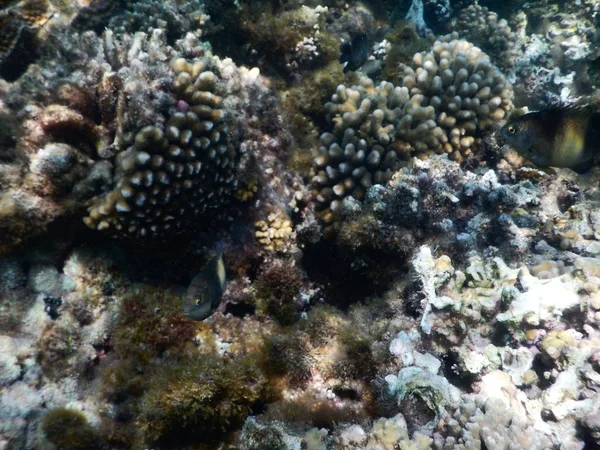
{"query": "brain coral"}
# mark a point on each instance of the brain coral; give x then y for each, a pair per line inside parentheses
(175, 173)
(446, 99)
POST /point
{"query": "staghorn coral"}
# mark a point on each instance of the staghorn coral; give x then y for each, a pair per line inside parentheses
(446, 99)
(482, 27)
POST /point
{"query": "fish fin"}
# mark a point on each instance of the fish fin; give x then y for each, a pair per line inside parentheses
(221, 271)
(177, 290)
(346, 51)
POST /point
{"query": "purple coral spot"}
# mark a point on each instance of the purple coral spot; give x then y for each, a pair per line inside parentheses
(182, 106)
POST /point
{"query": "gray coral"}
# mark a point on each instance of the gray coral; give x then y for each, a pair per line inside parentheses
(174, 17)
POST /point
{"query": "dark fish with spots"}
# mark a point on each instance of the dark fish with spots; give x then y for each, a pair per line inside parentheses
(558, 136)
(354, 53)
(204, 293)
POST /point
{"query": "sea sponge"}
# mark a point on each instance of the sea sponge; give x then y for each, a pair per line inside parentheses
(174, 174)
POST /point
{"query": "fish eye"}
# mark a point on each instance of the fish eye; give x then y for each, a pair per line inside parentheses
(197, 301)
(511, 130)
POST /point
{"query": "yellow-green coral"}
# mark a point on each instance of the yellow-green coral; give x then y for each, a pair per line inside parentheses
(275, 233)
(247, 191)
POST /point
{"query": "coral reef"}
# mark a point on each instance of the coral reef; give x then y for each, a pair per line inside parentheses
(164, 137)
(396, 277)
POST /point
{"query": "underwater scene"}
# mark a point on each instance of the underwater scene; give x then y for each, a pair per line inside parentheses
(299, 225)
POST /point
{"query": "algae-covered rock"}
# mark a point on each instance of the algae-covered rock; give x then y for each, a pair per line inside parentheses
(437, 393)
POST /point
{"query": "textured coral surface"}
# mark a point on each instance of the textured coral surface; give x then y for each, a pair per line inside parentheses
(396, 276)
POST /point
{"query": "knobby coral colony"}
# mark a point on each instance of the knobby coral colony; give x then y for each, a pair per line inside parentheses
(173, 175)
(444, 101)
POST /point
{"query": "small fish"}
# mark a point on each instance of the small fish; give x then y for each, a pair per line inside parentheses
(354, 53)
(558, 136)
(204, 293)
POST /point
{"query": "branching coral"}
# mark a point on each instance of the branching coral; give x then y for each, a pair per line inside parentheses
(483, 28)
(487, 424)
(147, 145)
(171, 176)
(457, 87)
(447, 98)
(275, 233)
(175, 17)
